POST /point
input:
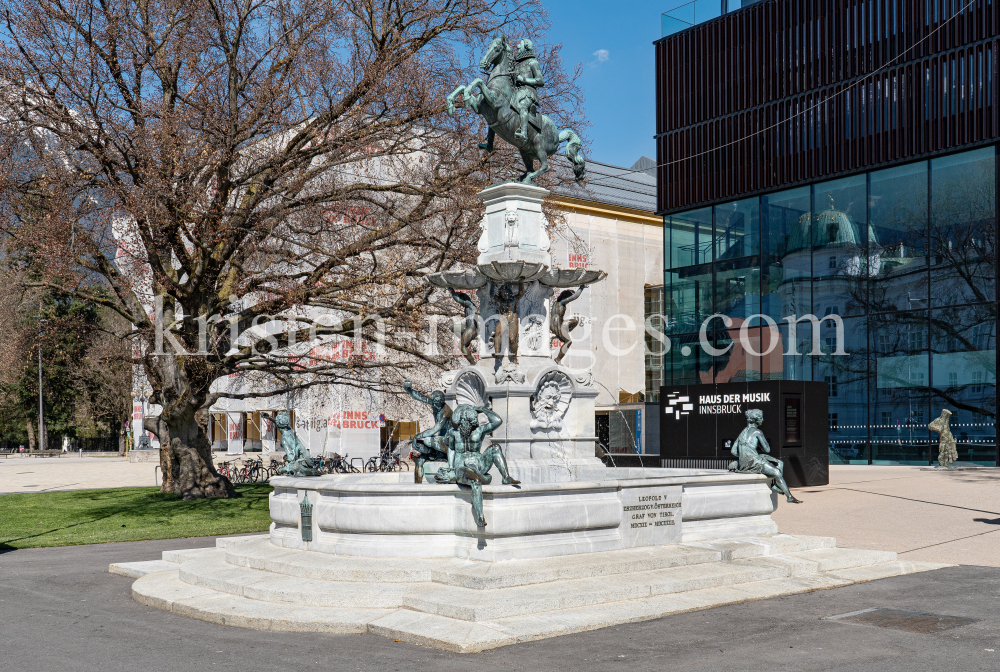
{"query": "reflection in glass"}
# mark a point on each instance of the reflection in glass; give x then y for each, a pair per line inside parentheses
(907, 257)
(737, 288)
(737, 227)
(846, 378)
(840, 246)
(689, 364)
(899, 407)
(691, 298)
(963, 378)
(898, 254)
(691, 238)
(963, 228)
(786, 285)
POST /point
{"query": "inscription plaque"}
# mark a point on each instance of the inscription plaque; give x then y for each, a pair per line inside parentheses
(651, 516)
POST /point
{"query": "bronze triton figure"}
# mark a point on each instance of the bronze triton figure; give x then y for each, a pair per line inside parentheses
(430, 444)
(749, 461)
(508, 102)
(468, 463)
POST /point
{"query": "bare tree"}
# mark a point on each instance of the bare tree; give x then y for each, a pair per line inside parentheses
(210, 164)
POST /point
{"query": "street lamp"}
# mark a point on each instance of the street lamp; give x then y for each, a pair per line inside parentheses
(42, 443)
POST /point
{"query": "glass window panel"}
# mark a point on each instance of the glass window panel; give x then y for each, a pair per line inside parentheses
(963, 228)
(691, 238)
(737, 289)
(736, 365)
(840, 246)
(963, 372)
(786, 285)
(796, 366)
(898, 247)
(846, 378)
(690, 298)
(689, 363)
(899, 407)
(737, 229)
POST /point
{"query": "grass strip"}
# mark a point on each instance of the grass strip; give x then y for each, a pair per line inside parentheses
(36, 520)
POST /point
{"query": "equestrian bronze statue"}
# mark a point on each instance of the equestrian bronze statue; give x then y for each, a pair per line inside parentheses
(508, 101)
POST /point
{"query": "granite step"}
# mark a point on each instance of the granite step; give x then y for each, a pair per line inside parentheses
(214, 573)
(482, 605)
(165, 590)
(260, 554)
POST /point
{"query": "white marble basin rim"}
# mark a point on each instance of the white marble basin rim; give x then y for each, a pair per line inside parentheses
(393, 483)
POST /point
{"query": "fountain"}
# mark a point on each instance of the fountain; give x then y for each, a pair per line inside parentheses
(465, 565)
(450, 558)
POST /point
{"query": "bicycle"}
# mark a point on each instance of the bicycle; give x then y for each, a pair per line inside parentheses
(252, 471)
(226, 469)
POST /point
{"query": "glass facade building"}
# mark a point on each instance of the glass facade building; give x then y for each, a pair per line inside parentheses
(891, 229)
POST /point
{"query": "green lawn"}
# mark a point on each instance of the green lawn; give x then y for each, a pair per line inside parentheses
(34, 520)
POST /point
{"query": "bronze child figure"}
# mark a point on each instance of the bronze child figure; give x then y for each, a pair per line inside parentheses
(750, 461)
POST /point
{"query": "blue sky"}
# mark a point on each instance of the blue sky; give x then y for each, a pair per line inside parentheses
(614, 41)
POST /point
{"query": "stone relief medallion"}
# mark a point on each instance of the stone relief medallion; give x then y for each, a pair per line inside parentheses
(584, 378)
(447, 378)
(550, 401)
(471, 390)
(509, 373)
(535, 332)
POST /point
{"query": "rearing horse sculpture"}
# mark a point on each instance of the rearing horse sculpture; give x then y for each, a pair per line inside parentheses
(493, 102)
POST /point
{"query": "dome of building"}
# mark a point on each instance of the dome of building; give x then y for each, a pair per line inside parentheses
(830, 227)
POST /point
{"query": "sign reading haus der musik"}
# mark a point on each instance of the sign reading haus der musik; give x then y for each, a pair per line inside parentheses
(722, 404)
(698, 424)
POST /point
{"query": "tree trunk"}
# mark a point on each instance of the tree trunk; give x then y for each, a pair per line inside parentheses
(31, 436)
(186, 458)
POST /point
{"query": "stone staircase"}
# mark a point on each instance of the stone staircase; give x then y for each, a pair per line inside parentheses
(468, 606)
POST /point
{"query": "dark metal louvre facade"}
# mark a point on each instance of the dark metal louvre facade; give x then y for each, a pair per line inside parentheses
(876, 82)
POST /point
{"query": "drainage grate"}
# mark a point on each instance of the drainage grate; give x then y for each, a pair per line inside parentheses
(897, 619)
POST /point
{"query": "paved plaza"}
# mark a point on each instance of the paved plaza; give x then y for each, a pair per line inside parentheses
(62, 610)
(920, 513)
(46, 474)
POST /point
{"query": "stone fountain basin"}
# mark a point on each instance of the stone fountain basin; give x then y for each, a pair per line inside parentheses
(390, 516)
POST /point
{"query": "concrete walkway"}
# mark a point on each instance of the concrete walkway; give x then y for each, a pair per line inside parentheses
(46, 474)
(918, 512)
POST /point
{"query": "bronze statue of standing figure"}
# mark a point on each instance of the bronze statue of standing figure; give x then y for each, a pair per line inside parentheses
(470, 326)
(750, 461)
(558, 323)
(947, 448)
(505, 300)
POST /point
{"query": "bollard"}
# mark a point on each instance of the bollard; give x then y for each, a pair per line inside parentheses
(306, 509)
